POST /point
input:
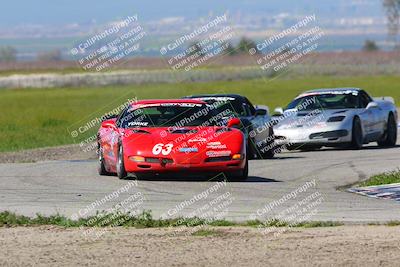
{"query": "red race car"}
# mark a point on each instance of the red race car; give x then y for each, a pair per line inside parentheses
(171, 136)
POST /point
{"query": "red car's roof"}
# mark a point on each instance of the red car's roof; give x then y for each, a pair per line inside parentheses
(162, 101)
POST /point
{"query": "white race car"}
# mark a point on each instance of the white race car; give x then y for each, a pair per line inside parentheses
(336, 117)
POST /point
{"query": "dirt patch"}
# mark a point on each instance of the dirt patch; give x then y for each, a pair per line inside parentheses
(68, 152)
(346, 245)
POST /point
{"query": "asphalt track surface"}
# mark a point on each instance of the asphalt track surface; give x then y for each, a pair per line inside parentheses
(68, 187)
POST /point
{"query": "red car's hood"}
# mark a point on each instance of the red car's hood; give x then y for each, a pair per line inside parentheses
(182, 144)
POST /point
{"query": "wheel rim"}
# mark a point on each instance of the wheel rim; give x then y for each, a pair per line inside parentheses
(100, 155)
(120, 157)
(119, 160)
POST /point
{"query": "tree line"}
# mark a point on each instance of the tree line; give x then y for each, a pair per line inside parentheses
(9, 54)
(244, 45)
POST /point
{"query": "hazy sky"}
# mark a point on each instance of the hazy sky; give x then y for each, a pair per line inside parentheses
(68, 11)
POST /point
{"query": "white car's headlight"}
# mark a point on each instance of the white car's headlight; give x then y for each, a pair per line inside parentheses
(336, 118)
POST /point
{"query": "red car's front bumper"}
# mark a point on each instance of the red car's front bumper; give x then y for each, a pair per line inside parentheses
(172, 167)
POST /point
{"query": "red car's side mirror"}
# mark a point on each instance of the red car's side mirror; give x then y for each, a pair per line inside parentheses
(108, 123)
(233, 122)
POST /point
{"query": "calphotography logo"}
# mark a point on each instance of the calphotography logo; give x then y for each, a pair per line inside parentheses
(289, 211)
(201, 209)
(118, 214)
(109, 47)
(83, 130)
(288, 46)
(200, 46)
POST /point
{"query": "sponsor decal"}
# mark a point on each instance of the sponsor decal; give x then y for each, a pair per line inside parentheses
(197, 140)
(223, 153)
(138, 123)
(333, 92)
(188, 149)
(188, 105)
(216, 145)
(221, 99)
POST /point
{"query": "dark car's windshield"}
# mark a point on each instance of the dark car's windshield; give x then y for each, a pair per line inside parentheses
(167, 115)
(226, 103)
(325, 101)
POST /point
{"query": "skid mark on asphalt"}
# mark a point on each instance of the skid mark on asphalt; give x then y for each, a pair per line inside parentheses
(361, 175)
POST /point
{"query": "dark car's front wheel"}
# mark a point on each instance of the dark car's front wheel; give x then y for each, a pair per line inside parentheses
(268, 151)
(264, 150)
(121, 172)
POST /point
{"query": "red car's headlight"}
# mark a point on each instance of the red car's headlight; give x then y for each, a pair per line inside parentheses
(137, 158)
(236, 156)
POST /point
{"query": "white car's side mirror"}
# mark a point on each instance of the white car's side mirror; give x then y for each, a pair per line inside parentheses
(261, 112)
(372, 105)
(266, 108)
(278, 111)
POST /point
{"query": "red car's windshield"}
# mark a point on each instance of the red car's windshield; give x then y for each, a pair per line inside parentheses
(175, 114)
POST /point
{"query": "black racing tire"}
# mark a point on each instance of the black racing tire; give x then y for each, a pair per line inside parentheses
(390, 136)
(250, 149)
(241, 176)
(257, 152)
(269, 154)
(121, 172)
(357, 135)
(270, 147)
(101, 168)
(308, 148)
(292, 147)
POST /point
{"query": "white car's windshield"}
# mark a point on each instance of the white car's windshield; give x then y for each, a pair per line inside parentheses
(325, 101)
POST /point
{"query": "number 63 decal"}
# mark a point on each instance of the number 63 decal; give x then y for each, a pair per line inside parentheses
(163, 149)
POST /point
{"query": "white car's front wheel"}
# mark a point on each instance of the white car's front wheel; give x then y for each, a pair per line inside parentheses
(390, 136)
(357, 135)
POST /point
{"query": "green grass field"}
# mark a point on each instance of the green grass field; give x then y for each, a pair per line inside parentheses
(383, 179)
(146, 220)
(32, 118)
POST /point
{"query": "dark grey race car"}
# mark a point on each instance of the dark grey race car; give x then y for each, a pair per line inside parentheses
(256, 122)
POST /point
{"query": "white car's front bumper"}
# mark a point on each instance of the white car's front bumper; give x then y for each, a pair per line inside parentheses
(317, 136)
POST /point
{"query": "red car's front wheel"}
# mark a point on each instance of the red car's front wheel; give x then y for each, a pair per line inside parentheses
(121, 172)
(101, 167)
(240, 176)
